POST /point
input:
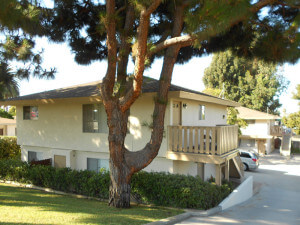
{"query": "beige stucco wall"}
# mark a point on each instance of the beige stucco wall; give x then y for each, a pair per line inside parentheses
(11, 130)
(213, 113)
(260, 127)
(60, 126)
(187, 168)
(58, 131)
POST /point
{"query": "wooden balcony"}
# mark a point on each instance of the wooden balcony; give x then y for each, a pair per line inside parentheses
(202, 144)
(276, 130)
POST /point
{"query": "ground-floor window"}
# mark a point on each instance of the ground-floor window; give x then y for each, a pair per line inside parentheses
(94, 164)
(34, 156)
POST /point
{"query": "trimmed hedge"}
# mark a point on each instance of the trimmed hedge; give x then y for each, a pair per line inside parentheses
(9, 149)
(181, 191)
(157, 188)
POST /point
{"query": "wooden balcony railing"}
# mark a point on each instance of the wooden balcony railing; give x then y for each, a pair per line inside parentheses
(203, 140)
(276, 130)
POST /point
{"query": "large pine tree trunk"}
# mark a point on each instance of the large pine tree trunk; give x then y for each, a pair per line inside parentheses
(119, 190)
(124, 163)
(120, 174)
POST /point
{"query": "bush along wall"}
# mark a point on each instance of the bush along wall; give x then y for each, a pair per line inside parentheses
(161, 189)
(9, 149)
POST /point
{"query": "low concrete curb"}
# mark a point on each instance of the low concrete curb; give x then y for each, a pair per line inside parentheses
(173, 219)
(187, 215)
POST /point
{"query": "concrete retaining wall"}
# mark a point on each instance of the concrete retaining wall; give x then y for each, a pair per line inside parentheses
(243, 192)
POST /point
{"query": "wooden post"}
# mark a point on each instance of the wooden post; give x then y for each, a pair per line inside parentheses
(196, 148)
(185, 139)
(207, 141)
(170, 139)
(219, 145)
(201, 140)
(180, 138)
(191, 139)
(218, 175)
(175, 130)
(213, 141)
(227, 170)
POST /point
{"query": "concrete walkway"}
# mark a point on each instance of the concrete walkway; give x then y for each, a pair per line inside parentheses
(277, 201)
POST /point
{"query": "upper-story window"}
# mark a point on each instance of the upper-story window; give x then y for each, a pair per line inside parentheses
(201, 112)
(94, 118)
(30, 112)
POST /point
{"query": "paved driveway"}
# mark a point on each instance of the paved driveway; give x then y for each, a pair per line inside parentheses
(277, 198)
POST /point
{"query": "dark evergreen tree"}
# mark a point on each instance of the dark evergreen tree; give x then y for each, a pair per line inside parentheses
(19, 24)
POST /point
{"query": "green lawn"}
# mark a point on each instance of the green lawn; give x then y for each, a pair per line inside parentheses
(27, 206)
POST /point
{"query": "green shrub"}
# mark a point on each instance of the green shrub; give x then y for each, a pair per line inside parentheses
(9, 149)
(157, 188)
(178, 190)
(13, 169)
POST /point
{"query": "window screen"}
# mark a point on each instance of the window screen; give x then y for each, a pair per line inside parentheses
(94, 119)
(96, 164)
(32, 156)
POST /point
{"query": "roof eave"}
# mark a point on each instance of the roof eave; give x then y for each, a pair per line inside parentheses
(50, 101)
(203, 98)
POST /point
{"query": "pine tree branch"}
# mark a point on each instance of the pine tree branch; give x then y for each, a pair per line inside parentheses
(152, 7)
(188, 40)
(140, 159)
(125, 45)
(109, 79)
(141, 51)
(183, 41)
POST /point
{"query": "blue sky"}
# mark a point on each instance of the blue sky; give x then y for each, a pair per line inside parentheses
(188, 75)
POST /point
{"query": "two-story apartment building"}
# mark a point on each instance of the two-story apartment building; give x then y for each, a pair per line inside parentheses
(69, 126)
(261, 130)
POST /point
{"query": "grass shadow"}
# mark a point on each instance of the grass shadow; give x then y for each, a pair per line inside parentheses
(79, 211)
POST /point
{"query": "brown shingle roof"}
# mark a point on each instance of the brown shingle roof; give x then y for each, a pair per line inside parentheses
(251, 114)
(90, 89)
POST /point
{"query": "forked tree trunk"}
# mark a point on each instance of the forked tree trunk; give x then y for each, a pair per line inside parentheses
(123, 163)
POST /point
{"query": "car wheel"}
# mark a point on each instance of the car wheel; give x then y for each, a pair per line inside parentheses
(245, 167)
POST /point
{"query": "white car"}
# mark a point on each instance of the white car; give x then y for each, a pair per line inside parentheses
(250, 160)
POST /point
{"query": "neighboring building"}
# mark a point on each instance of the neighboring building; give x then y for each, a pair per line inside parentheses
(7, 127)
(69, 126)
(261, 131)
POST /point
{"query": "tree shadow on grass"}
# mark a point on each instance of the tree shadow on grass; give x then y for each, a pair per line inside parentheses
(91, 211)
